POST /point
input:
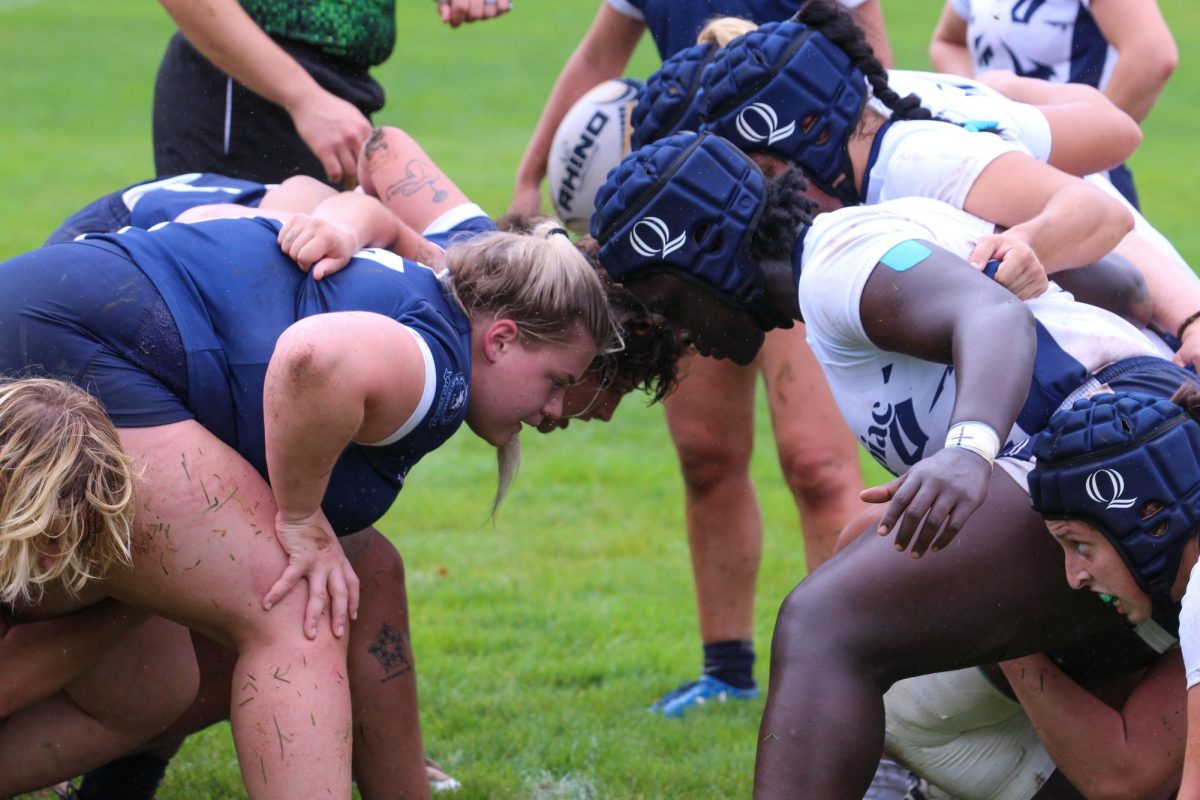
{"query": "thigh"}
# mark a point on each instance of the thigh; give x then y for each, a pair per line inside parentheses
(712, 410)
(803, 413)
(204, 548)
(998, 591)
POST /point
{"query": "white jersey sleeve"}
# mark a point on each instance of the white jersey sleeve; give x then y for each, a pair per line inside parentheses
(931, 159)
(1189, 628)
(961, 100)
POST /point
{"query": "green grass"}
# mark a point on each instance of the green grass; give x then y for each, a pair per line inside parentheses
(540, 638)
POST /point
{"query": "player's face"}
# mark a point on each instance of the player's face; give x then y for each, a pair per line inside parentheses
(515, 383)
(587, 400)
(699, 317)
(773, 167)
(1092, 563)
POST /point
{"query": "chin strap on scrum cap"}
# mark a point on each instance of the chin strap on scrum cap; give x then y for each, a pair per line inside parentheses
(687, 204)
(668, 102)
(1105, 460)
(788, 91)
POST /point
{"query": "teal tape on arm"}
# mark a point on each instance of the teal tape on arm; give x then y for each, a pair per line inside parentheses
(905, 256)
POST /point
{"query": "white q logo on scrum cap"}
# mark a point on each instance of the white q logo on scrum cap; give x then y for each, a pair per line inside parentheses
(760, 114)
(1114, 483)
(654, 228)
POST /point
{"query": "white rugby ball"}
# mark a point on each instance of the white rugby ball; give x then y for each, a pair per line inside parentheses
(592, 138)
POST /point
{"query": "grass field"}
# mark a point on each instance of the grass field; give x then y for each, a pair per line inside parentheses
(542, 638)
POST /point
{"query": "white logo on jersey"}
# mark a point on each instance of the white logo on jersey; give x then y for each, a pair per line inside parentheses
(756, 115)
(656, 227)
(1114, 482)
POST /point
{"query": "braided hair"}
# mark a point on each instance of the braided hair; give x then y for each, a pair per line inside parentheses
(833, 22)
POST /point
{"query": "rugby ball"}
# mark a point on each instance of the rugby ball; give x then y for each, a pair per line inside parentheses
(592, 138)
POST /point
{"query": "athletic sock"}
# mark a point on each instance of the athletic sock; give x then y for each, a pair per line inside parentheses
(731, 662)
(134, 777)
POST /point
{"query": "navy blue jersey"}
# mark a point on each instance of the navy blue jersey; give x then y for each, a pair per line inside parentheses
(232, 292)
(148, 203)
(674, 24)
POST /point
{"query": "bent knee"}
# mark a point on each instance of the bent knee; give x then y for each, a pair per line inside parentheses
(707, 464)
(819, 475)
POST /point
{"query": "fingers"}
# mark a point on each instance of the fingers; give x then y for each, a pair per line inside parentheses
(352, 588)
(880, 494)
(339, 594)
(282, 586)
(901, 491)
(318, 598)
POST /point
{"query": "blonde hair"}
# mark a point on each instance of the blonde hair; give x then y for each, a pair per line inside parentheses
(66, 489)
(723, 30)
(541, 282)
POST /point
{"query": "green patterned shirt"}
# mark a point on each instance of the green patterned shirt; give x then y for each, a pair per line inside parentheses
(359, 31)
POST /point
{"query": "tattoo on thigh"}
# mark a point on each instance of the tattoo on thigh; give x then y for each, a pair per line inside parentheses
(390, 649)
(375, 142)
(417, 176)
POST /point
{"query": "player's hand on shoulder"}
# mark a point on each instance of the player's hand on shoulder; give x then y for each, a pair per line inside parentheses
(1021, 271)
(317, 245)
(929, 504)
(335, 131)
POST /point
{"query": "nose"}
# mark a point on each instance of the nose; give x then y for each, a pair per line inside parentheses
(1077, 574)
(554, 404)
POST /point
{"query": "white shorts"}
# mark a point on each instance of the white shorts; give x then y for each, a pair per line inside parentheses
(960, 733)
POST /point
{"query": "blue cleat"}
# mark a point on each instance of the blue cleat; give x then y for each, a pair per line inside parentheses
(697, 693)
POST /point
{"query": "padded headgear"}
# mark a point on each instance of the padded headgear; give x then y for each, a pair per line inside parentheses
(687, 204)
(668, 102)
(787, 90)
(1104, 460)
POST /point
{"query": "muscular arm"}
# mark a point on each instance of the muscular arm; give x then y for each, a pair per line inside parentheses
(1106, 753)
(40, 658)
(1146, 52)
(334, 379)
(944, 311)
(1066, 222)
(948, 48)
(226, 35)
(1089, 132)
(1190, 788)
(604, 53)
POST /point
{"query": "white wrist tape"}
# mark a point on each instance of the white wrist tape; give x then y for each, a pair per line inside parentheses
(978, 437)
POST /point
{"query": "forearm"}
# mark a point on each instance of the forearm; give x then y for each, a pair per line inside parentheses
(1146, 52)
(1077, 225)
(1173, 288)
(1089, 741)
(364, 217)
(603, 53)
(984, 394)
(869, 17)
(226, 35)
(40, 658)
(948, 48)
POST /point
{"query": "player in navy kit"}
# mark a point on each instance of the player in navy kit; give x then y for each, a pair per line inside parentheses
(214, 384)
(905, 333)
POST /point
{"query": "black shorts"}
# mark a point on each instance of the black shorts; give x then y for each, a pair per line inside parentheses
(206, 122)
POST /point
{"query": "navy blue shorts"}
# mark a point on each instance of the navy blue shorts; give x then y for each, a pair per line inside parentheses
(83, 313)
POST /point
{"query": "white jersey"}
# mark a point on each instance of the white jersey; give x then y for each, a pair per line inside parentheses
(1055, 40)
(1189, 628)
(899, 406)
(914, 158)
(963, 100)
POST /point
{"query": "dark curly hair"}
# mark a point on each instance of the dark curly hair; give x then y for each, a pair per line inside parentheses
(786, 213)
